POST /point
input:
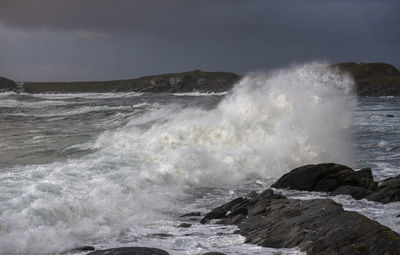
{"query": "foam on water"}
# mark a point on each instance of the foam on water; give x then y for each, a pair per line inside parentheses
(196, 94)
(142, 173)
(270, 123)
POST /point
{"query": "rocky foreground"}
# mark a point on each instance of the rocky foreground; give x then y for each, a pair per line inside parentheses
(372, 79)
(316, 226)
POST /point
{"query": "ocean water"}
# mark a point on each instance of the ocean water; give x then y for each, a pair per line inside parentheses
(118, 169)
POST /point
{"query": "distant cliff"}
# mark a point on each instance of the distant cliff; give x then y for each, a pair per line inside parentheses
(167, 83)
(373, 79)
(7, 85)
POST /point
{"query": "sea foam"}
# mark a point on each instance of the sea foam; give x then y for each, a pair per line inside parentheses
(140, 173)
(268, 124)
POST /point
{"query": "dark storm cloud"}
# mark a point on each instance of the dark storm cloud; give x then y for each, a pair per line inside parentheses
(123, 38)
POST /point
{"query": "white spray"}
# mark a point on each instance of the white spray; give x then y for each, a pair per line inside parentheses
(267, 125)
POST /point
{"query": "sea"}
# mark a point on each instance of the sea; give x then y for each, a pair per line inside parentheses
(119, 169)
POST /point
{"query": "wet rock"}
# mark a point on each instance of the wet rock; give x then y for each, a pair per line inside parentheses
(78, 249)
(317, 226)
(325, 177)
(389, 115)
(221, 211)
(85, 248)
(130, 251)
(341, 180)
(355, 191)
(252, 194)
(161, 235)
(388, 191)
(214, 253)
(191, 214)
(184, 225)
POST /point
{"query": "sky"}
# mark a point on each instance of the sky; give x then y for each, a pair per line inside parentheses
(79, 40)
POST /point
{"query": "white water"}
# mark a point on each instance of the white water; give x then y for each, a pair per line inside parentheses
(143, 173)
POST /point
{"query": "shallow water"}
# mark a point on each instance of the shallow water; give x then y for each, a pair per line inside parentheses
(118, 169)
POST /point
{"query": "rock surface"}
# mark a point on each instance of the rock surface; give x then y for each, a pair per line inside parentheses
(7, 85)
(325, 177)
(388, 191)
(340, 179)
(318, 226)
(130, 251)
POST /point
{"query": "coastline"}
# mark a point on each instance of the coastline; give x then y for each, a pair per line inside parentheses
(371, 79)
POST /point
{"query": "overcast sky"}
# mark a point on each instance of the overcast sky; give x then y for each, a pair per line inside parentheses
(67, 40)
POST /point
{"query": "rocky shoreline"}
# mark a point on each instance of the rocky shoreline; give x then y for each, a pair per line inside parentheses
(315, 226)
(371, 79)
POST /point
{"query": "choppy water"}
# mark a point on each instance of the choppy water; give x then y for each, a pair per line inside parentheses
(117, 169)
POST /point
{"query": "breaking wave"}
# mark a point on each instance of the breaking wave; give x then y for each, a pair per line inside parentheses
(139, 173)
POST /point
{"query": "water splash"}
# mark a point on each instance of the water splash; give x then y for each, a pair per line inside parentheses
(140, 172)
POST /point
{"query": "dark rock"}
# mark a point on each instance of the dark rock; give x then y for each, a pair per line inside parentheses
(221, 211)
(252, 194)
(7, 85)
(340, 180)
(191, 214)
(325, 177)
(317, 226)
(388, 191)
(355, 191)
(85, 248)
(393, 182)
(78, 249)
(130, 251)
(161, 235)
(389, 115)
(214, 253)
(184, 225)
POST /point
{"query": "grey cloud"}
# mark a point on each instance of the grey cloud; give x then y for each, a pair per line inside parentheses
(122, 38)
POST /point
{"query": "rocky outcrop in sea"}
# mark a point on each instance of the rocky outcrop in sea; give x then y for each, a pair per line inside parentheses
(339, 179)
(316, 226)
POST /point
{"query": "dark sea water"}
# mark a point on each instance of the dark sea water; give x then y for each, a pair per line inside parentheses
(118, 169)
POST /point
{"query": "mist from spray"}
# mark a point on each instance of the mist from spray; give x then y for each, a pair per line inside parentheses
(268, 124)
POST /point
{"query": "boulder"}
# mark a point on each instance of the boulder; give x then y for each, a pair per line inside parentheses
(317, 226)
(221, 211)
(184, 225)
(325, 177)
(355, 191)
(388, 191)
(341, 180)
(130, 251)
